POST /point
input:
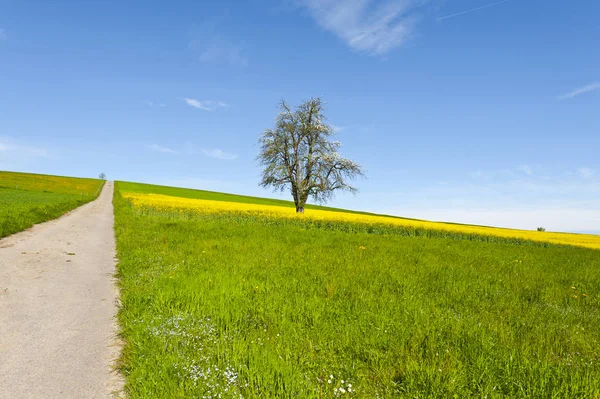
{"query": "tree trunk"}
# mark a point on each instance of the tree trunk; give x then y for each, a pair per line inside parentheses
(299, 209)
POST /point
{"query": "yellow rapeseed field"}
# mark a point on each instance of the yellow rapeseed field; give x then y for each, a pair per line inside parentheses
(178, 204)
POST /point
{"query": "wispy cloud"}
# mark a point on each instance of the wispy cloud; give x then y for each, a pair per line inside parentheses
(219, 154)
(211, 45)
(581, 90)
(219, 49)
(366, 25)
(10, 147)
(472, 10)
(206, 105)
(527, 169)
(152, 104)
(158, 148)
(586, 173)
(3, 35)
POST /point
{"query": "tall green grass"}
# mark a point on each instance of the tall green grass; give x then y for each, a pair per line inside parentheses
(27, 199)
(225, 307)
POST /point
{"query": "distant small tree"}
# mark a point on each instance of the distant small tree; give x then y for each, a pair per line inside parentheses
(299, 154)
(541, 229)
(102, 176)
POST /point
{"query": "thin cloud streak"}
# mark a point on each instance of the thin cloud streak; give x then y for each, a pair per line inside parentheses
(152, 104)
(207, 105)
(165, 150)
(581, 90)
(472, 10)
(219, 154)
(365, 26)
(3, 35)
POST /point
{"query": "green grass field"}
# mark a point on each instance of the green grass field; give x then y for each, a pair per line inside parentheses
(234, 307)
(27, 199)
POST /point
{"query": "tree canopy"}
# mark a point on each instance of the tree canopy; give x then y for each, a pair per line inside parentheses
(299, 154)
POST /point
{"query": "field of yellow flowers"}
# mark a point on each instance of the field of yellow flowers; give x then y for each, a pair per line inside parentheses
(27, 199)
(238, 297)
(189, 207)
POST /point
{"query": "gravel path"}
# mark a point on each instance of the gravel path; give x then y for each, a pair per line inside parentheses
(58, 305)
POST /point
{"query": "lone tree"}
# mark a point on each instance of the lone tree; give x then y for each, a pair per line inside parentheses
(102, 176)
(300, 154)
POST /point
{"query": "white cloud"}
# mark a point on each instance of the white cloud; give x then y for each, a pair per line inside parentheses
(471, 10)
(581, 90)
(158, 148)
(365, 25)
(206, 105)
(219, 154)
(586, 173)
(3, 35)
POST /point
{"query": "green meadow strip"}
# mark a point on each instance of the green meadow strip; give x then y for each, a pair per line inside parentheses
(236, 307)
(20, 209)
(345, 226)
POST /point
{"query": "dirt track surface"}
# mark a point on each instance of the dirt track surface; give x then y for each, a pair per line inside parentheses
(58, 305)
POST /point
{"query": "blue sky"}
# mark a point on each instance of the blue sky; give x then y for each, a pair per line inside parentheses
(466, 110)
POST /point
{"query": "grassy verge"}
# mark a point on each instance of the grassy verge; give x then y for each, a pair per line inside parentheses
(228, 307)
(27, 199)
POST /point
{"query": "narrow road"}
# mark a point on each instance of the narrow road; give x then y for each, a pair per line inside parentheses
(58, 305)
